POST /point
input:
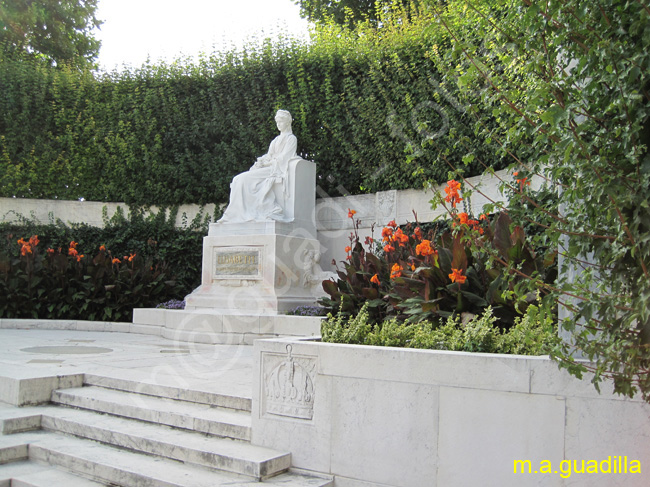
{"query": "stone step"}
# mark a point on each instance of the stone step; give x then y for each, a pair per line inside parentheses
(32, 474)
(116, 467)
(170, 392)
(185, 446)
(177, 413)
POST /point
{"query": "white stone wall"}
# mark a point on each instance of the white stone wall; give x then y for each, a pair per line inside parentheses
(331, 214)
(381, 416)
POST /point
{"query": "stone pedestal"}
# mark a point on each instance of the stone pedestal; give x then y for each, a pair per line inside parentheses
(267, 267)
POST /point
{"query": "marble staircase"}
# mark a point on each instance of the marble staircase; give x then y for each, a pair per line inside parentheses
(118, 432)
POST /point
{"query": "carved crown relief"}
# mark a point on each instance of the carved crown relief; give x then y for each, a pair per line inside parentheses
(289, 385)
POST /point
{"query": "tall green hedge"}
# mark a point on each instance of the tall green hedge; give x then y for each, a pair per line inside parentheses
(363, 102)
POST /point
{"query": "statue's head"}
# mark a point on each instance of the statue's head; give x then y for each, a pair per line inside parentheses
(283, 117)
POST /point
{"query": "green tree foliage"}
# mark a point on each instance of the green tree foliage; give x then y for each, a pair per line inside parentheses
(56, 31)
(568, 83)
(349, 12)
(177, 133)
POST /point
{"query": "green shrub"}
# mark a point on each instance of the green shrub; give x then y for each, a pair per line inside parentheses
(530, 335)
(63, 283)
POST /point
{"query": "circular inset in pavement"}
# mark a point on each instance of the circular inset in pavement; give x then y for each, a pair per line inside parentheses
(70, 350)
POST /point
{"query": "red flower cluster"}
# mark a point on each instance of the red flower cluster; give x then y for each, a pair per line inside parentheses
(72, 251)
(424, 249)
(392, 235)
(464, 219)
(452, 193)
(396, 271)
(457, 276)
(28, 246)
(521, 181)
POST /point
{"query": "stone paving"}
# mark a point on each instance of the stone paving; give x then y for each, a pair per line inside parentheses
(224, 369)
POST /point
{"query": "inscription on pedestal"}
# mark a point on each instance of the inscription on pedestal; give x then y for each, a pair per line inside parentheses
(237, 263)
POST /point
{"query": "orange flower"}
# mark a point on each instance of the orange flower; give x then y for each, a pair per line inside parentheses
(351, 213)
(483, 217)
(25, 249)
(116, 261)
(73, 252)
(400, 237)
(452, 193)
(417, 233)
(392, 224)
(50, 251)
(369, 241)
(33, 241)
(102, 248)
(387, 233)
(348, 249)
(457, 276)
(424, 248)
(396, 271)
(389, 248)
(73, 244)
(462, 218)
(131, 257)
(79, 257)
(374, 279)
(413, 267)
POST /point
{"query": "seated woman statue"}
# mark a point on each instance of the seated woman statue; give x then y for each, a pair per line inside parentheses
(253, 195)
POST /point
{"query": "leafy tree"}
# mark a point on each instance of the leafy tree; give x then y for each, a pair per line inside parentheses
(348, 12)
(568, 82)
(58, 31)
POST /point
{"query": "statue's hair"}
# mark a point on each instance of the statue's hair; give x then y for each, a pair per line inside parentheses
(285, 114)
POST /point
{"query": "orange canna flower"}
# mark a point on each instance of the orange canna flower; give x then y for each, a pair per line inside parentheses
(396, 271)
(348, 249)
(483, 217)
(33, 240)
(417, 233)
(400, 237)
(369, 241)
(50, 251)
(79, 257)
(25, 249)
(387, 233)
(392, 224)
(374, 279)
(351, 213)
(116, 261)
(424, 248)
(131, 257)
(102, 248)
(413, 267)
(462, 218)
(452, 193)
(73, 244)
(389, 248)
(73, 252)
(457, 276)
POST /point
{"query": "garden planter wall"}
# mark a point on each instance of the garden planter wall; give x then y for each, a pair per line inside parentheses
(409, 418)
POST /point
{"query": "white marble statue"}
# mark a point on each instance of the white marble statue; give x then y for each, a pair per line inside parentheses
(259, 193)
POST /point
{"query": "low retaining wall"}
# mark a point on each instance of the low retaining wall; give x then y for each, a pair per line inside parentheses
(380, 416)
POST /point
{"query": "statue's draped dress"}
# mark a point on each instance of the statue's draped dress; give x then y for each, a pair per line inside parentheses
(252, 195)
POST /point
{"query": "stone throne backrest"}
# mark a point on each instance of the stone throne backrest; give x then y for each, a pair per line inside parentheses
(299, 205)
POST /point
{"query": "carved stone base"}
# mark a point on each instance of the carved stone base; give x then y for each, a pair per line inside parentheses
(264, 273)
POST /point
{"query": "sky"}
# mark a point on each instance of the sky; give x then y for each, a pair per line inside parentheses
(135, 30)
